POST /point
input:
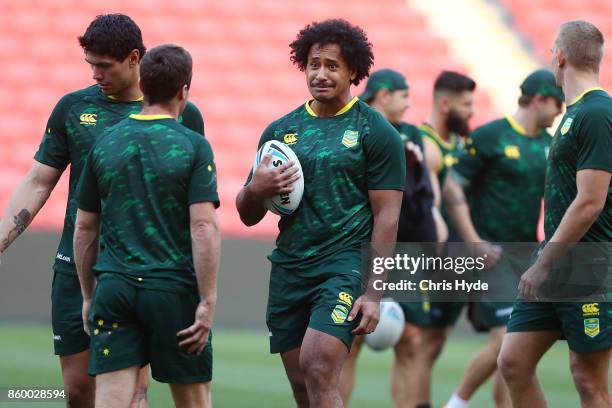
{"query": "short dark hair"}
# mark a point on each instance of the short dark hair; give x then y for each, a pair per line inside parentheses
(113, 35)
(525, 100)
(354, 45)
(164, 70)
(453, 82)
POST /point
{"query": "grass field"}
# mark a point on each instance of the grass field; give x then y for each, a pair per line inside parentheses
(246, 375)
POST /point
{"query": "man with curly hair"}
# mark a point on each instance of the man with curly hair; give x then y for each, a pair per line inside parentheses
(113, 49)
(354, 172)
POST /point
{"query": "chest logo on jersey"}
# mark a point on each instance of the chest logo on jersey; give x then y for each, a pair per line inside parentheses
(566, 125)
(290, 139)
(350, 138)
(88, 119)
(512, 152)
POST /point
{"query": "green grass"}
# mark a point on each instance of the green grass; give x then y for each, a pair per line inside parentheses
(246, 375)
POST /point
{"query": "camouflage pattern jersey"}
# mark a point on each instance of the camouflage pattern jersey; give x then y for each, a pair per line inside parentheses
(342, 157)
(505, 168)
(141, 176)
(76, 122)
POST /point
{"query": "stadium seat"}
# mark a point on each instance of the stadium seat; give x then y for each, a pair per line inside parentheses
(243, 77)
(539, 22)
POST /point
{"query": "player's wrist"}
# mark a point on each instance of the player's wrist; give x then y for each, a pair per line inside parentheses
(254, 193)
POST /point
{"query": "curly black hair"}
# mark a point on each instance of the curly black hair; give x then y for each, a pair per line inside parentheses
(113, 35)
(353, 41)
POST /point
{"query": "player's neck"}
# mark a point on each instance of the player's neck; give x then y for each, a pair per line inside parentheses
(438, 124)
(130, 94)
(170, 109)
(527, 120)
(575, 83)
(330, 108)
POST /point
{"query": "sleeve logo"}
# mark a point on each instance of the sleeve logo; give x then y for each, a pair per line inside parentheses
(566, 125)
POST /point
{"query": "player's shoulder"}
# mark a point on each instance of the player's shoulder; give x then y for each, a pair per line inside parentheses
(81, 95)
(597, 104)
(492, 128)
(192, 118)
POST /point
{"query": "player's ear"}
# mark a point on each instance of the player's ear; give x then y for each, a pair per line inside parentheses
(445, 103)
(353, 76)
(184, 93)
(561, 59)
(134, 58)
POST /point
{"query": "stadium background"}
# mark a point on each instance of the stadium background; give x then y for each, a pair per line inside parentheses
(243, 80)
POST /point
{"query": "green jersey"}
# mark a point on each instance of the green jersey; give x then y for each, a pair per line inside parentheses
(410, 133)
(582, 141)
(505, 168)
(76, 122)
(342, 158)
(448, 150)
(142, 176)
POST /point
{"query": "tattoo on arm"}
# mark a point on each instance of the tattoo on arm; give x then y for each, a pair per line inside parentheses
(455, 197)
(22, 220)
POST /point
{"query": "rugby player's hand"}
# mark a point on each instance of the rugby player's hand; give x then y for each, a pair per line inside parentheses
(268, 182)
(491, 253)
(197, 334)
(85, 315)
(370, 314)
(531, 281)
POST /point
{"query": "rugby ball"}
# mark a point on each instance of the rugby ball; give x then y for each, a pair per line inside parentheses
(281, 204)
(390, 326)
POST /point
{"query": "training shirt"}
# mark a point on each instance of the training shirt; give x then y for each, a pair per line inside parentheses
(342, 157)
(505, 168)
(77, 121)
(142, 176)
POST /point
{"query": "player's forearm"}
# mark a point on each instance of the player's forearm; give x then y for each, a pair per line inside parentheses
(459, 211)
(206, 248)
(576, 221)
(250, 206)
(85, 254)
(27, 200)
(384, 234)
(440, 224)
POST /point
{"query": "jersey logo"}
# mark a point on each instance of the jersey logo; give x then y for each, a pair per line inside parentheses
(590, 309)
(339, 314)
(290, 139)
(450, 160)
(512, 152)
(566, 125)
(591, 327)
(350, 138)
(88, 119)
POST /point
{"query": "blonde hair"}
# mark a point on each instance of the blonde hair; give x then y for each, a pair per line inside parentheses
(582, 43)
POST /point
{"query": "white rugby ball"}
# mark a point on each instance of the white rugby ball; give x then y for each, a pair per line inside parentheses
(282, 204)
(390, 326)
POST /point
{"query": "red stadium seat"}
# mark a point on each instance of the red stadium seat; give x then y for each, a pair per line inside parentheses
(243, 77)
